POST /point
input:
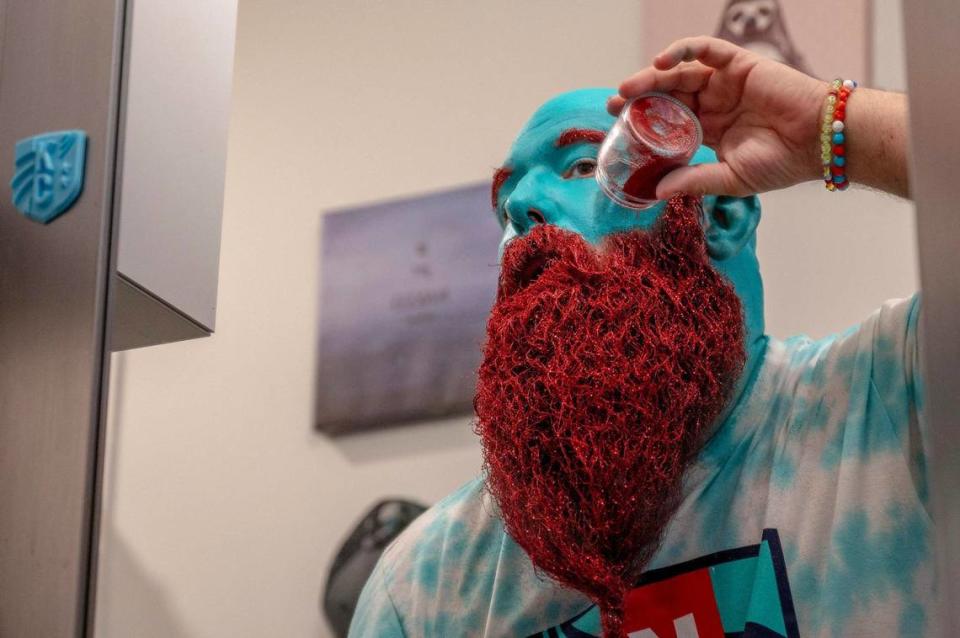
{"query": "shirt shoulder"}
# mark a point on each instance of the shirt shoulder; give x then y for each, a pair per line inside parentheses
(456, 572)
(852, 400)
(866, 371)
(869, 374)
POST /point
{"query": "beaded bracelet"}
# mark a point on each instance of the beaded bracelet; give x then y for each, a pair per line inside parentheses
(833, 135)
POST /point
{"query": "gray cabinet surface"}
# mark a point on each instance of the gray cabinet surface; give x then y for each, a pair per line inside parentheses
(133, 262)
(60, 70)
(172, 159)
(930, 29)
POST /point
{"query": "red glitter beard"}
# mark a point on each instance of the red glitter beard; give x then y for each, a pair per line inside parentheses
(602, 369)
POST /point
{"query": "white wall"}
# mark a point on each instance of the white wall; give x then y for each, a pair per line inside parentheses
(222, 504)
(829, 259)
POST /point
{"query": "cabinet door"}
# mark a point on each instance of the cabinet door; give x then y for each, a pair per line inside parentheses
(59, 69)
(933, 76)
(174, 139)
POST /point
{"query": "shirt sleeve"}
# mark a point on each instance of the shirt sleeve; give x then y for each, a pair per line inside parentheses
(891, 336)
(376, 616)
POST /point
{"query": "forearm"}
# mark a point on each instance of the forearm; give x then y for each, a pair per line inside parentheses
(876, 140)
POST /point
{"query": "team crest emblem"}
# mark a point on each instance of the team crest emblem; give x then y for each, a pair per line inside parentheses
(48, 174)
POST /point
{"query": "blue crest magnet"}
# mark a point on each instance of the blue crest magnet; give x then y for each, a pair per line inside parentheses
(48, 174)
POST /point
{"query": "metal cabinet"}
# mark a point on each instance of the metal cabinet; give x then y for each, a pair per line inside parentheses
(930, 29)
(172, 158)
(148, 81)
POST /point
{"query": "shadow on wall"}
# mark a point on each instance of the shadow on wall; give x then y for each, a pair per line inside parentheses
(138, 600)
(127, 596)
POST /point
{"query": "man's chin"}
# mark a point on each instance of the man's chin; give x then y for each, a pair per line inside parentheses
(601, 371)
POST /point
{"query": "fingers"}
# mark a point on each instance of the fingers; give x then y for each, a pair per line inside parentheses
(713, 52)
(615, 104)
(686, 78)
(683, 67)
(702, 179)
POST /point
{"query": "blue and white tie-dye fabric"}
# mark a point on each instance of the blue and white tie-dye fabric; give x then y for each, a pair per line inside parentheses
(825, 453)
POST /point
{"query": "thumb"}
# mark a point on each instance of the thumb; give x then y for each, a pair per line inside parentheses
(702, 179)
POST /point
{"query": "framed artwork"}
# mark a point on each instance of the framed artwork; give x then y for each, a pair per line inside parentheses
(406, 289)
(824, 38)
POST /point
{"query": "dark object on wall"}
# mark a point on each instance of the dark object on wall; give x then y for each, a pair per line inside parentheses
(760, 26)
(407, 287)
(358, 556)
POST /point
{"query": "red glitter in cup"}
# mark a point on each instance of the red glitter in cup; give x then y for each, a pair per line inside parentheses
(654, 134)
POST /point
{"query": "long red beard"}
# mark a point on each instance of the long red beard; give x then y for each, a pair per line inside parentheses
(602, 370)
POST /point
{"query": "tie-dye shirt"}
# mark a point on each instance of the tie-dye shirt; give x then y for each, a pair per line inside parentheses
(805, 515)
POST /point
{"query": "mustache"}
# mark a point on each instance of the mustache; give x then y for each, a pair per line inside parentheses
(676, 235)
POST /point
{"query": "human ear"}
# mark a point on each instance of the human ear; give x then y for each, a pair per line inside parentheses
(730, 224)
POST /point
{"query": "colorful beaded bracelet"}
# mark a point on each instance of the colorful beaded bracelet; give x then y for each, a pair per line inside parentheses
(833, 135)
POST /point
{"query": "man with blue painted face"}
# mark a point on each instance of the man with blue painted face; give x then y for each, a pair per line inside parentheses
(655, 465)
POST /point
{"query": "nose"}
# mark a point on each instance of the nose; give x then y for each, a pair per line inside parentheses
(529, 204)
(525, 221)
(524, 217)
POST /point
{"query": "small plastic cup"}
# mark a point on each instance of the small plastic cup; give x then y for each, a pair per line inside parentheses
(654, 134)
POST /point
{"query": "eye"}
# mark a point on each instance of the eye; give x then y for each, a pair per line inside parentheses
(585, 167)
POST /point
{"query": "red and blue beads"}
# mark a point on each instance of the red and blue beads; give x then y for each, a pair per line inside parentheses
(833, 135)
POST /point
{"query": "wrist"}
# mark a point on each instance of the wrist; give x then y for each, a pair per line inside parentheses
(877, 142)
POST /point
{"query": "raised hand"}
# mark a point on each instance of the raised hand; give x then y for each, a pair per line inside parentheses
(761, 117)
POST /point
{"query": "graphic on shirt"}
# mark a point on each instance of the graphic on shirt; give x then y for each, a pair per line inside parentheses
(742, 592)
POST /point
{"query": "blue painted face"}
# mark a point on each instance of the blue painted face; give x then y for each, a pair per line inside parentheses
(549, 178)
(551, 172)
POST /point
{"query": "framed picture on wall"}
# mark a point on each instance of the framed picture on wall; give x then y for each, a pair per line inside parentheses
(406, 289)
(823, 38)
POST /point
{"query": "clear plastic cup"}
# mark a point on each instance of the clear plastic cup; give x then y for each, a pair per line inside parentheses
(654, 134)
